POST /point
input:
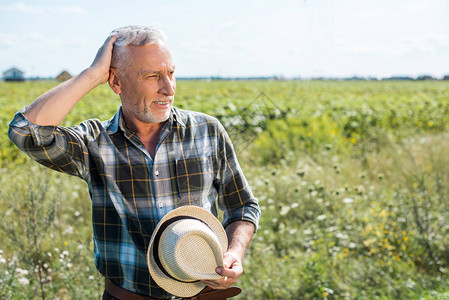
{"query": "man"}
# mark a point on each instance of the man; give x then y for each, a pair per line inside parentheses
(147, 160)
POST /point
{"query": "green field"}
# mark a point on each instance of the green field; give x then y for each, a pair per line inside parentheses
(352, 179)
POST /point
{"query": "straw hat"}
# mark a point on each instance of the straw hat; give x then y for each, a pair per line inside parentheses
(186, 247)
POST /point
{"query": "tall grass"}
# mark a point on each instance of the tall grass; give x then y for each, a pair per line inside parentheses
(352, 179)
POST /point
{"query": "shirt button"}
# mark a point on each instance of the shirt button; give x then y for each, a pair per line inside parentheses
(156, 172)
(160, 205)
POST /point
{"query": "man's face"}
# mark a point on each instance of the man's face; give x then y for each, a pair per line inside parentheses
(147, 84)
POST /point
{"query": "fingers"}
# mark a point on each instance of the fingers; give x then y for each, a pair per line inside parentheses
(231, 273)
(229, 259)
(111, 40)
(223, 283)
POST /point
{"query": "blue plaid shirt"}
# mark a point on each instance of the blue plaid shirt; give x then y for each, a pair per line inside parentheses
(194, 164)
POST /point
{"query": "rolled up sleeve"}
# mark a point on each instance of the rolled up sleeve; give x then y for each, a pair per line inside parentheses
(235, 197)
(59, 148)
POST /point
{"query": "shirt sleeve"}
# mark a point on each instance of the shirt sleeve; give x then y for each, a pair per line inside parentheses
(59, 148)
(235, 197)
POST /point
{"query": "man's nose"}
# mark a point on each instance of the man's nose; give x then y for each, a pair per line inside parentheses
(167, 86)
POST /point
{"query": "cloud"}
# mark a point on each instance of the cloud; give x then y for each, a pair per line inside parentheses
(34, 9)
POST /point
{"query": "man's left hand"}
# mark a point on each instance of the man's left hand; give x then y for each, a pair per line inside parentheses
(231, 270)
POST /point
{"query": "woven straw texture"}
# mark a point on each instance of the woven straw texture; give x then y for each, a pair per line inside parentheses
(189, 251)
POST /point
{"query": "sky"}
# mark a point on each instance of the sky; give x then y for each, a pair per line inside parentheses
(290, 38)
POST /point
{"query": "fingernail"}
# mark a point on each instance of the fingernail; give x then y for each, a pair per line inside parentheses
(218, 270)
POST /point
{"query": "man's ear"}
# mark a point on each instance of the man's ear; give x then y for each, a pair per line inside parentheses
(114, 81)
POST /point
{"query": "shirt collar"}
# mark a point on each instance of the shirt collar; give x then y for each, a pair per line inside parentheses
(117, 120)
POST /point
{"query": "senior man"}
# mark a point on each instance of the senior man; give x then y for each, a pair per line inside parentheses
(147, 160)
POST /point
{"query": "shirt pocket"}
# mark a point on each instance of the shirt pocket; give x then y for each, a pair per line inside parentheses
(194, 179)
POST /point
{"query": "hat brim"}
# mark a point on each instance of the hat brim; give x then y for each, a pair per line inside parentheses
(172, 286)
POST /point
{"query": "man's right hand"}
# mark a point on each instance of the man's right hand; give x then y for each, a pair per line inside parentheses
(102, 61)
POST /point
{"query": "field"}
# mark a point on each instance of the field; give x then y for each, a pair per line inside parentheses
(352, 179)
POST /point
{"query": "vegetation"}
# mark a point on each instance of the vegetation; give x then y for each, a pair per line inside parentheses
(352, 178)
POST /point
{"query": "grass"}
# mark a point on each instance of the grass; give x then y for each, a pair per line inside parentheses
(352, 179)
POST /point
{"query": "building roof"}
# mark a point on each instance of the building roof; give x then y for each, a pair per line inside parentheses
(13, 70)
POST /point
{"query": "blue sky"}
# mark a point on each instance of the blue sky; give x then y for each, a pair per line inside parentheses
(237, 38)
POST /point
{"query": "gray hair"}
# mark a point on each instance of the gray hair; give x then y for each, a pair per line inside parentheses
(135, 35)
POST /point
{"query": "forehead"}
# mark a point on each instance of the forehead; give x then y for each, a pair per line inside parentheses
(149, 56)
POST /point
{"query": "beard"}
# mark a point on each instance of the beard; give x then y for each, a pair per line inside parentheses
(145, 114)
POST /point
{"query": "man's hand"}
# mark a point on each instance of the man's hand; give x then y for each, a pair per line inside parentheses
(239, 235)
(102, 61)
(232, 269)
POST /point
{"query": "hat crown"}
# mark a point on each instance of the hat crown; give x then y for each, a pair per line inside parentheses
(191, 251)
(204, 252)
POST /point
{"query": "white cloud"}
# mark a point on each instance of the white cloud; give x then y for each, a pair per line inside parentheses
(34, 9)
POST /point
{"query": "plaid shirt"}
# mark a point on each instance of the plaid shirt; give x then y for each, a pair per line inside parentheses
(194, 164)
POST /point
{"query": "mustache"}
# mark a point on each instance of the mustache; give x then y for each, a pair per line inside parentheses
(166, 98)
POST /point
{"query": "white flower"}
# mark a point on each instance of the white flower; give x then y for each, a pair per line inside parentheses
(294, 205)
(65, 252)
(69, 265)
(2, 260)
(24, 281)
(321, 217)
(77, 213)
(21, 272)
(68, 230)
(91, 277)
(307, 231)
(352, 245)
(342, 236)
(348, 200)
(284, 210)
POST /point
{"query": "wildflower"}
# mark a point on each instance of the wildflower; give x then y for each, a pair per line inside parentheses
(284, 210)
(2, 260)
(348, 200)
(342, 236)
(91, 277)
(65, 252)
(321, 217)
(21, 272)
(307, 231)
(68, 230)
(352, 245)
(24, 281)
(69, 265)
(77, 213)
(294, 205)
